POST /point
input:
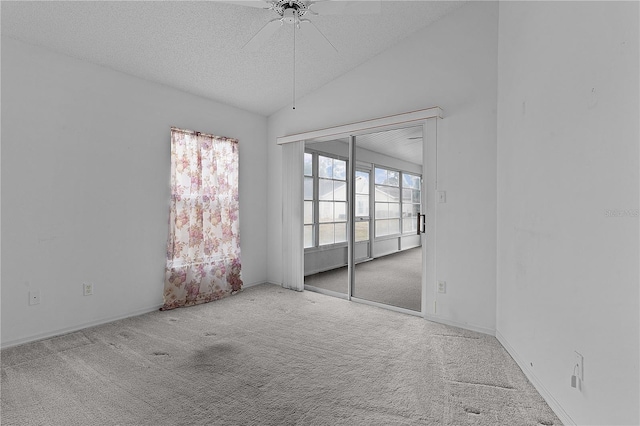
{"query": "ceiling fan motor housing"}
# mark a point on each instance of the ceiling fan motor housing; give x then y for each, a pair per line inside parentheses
(287, 9)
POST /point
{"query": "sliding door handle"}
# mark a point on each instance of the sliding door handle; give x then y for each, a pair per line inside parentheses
(422, 225)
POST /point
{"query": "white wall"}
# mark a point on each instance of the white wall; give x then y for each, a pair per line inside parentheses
(568, 152)
(85, 189)
(451, 64)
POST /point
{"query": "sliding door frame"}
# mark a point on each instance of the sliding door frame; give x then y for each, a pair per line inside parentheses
(351, 207)
(428, 118)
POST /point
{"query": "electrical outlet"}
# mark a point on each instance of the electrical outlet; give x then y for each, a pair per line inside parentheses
(87, 289)
(442, 286)
(34, 297)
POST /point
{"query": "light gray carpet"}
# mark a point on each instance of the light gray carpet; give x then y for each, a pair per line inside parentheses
(268, 356)
(395, 279)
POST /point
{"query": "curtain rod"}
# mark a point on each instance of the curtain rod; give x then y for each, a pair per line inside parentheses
(208, 135)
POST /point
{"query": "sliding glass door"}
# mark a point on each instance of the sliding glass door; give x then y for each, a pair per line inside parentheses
(326, 217)
(392, 274)
(372, 182)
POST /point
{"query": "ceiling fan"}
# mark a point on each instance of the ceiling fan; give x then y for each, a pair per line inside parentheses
(291, 12)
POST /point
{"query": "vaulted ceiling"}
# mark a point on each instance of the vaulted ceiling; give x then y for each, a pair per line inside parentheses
(197, 46)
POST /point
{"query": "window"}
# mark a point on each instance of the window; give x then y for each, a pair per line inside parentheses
(362, 206)
(203, 248)
(387, 202)
(309, 228)
(332, 196)
(396, 201)
(325, 200)
(397, 196)
(410, 202)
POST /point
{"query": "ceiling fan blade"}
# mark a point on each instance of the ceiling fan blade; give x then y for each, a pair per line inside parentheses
(309, 30)
(346, 7)
(263, 35)
(259, 4)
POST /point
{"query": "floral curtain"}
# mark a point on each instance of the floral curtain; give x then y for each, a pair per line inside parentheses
(203, 250)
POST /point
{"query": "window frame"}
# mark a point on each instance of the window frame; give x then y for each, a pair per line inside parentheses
(402, 232)
(314, 210)
(372, 218)
(412, 203)
(399, 203)
(316, 201)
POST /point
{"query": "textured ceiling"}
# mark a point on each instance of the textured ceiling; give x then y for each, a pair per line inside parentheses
(197, 46)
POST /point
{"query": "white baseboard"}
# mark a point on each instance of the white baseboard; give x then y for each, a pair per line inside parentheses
(66, 330)
(245, 285)
(471, 327)
(325, 269)
(546, 395)
(59, 332)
